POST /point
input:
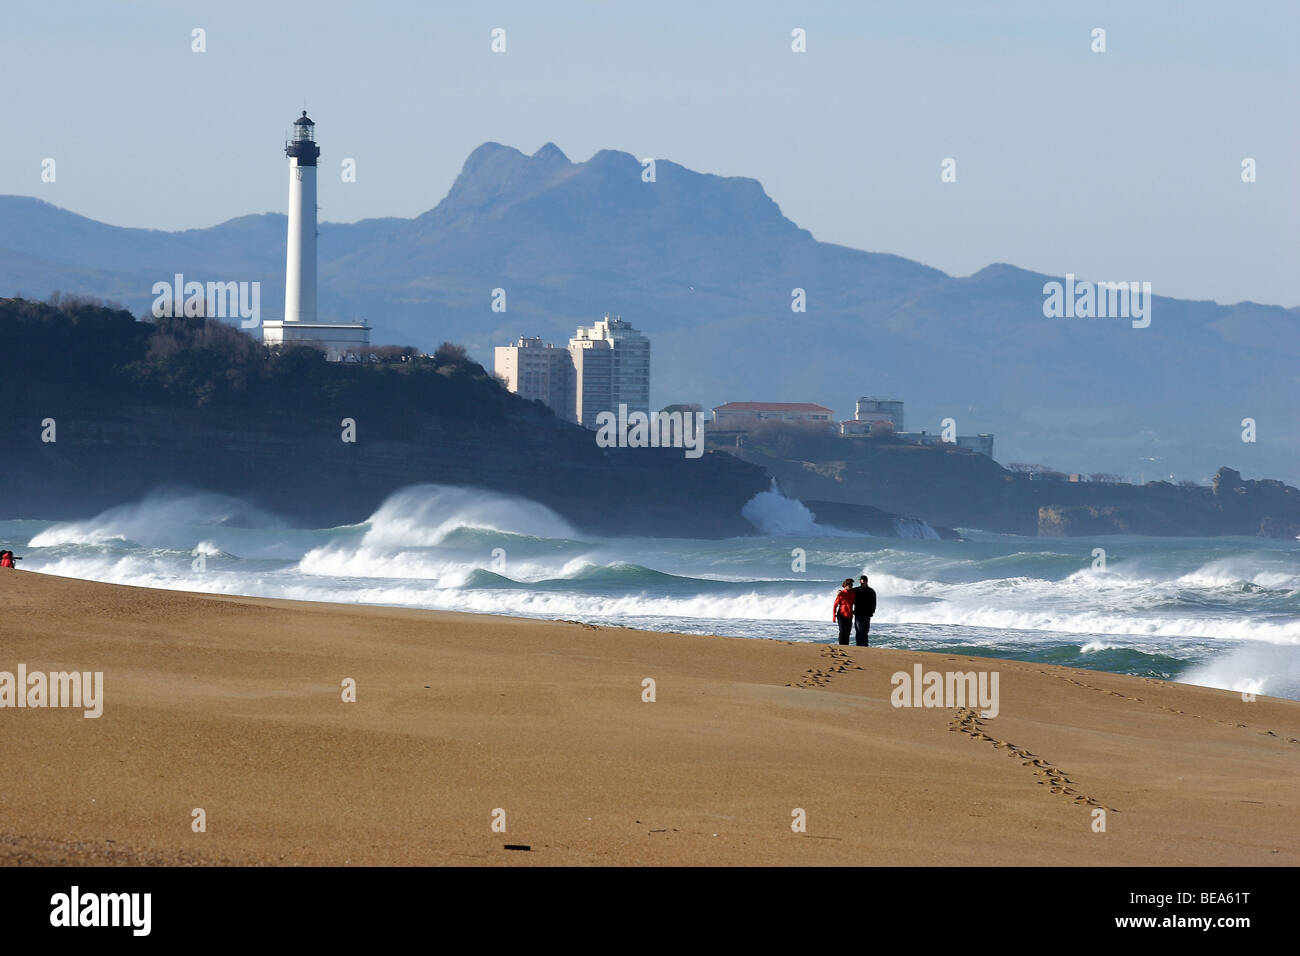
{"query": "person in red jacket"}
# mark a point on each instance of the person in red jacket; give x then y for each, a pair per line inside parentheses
(6, 559)
(842, 613)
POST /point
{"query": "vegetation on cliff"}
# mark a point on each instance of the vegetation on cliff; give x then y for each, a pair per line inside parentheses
(196, 403)
(79, 352)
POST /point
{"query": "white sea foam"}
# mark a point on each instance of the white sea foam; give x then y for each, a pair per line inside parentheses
(1092, 647)
(1252, 669)
(1174, 599)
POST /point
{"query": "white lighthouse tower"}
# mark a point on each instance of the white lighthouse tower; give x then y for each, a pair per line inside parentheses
(340, 341)
(300, 263)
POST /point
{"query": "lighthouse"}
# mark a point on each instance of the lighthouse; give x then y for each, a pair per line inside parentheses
(340, 341)
(300, 261)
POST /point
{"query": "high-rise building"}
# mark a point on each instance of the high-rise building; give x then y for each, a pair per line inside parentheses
(611, 367)
(534, 369)
(604, 366)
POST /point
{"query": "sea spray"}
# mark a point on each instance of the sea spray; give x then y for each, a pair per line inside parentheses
(1251, 669)
(442, 533)
(164, 518)
(424, 515)
(772, 513)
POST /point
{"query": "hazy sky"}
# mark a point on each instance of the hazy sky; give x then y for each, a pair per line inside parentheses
(1117, 165)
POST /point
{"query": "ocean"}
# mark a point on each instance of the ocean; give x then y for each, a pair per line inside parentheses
(1220, 612)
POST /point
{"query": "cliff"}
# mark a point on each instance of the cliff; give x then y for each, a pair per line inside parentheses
(133, 406)
(874, 521)
(1230, 505)
(952, 487)
(297, 466)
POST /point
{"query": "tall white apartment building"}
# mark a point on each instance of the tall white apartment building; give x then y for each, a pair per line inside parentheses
(603, 367)
(611, 367)
(534, 369)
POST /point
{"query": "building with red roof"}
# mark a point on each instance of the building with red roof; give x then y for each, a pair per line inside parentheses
(739, 416)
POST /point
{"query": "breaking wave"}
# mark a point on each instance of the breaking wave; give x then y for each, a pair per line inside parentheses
(777, 516)
(1222, 612)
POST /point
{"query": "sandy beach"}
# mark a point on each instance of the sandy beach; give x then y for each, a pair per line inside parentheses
(235, 706)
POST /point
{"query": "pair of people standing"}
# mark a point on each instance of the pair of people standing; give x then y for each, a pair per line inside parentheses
(853, 610)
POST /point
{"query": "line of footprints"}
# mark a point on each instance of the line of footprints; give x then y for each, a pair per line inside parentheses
(837, 662)
(1171, 710)
(967, 721)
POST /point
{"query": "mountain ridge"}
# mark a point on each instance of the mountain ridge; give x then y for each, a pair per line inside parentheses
(707, 265)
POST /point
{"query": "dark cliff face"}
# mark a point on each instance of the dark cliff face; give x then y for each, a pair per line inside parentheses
(132, 406)
(952, 490)
(960, 489)
(1230, 505)
(867, 520)
(297, 466)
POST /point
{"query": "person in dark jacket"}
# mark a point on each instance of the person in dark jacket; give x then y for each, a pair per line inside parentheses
(864, 605)
(842, 613)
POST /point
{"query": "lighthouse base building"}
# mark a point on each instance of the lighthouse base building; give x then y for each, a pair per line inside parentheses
(340, 341)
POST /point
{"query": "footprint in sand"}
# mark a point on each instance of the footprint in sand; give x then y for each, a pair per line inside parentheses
(1168, 710)
(967, 721)
(838, 663)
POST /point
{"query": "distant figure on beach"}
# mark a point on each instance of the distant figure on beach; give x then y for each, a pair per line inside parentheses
(842, 613)
(6, 559)
(864, 605)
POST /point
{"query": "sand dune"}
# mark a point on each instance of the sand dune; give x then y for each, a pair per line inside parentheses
(235, 706)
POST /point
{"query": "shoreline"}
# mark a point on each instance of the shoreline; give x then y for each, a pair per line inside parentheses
(233, 705)
(1064, 636)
